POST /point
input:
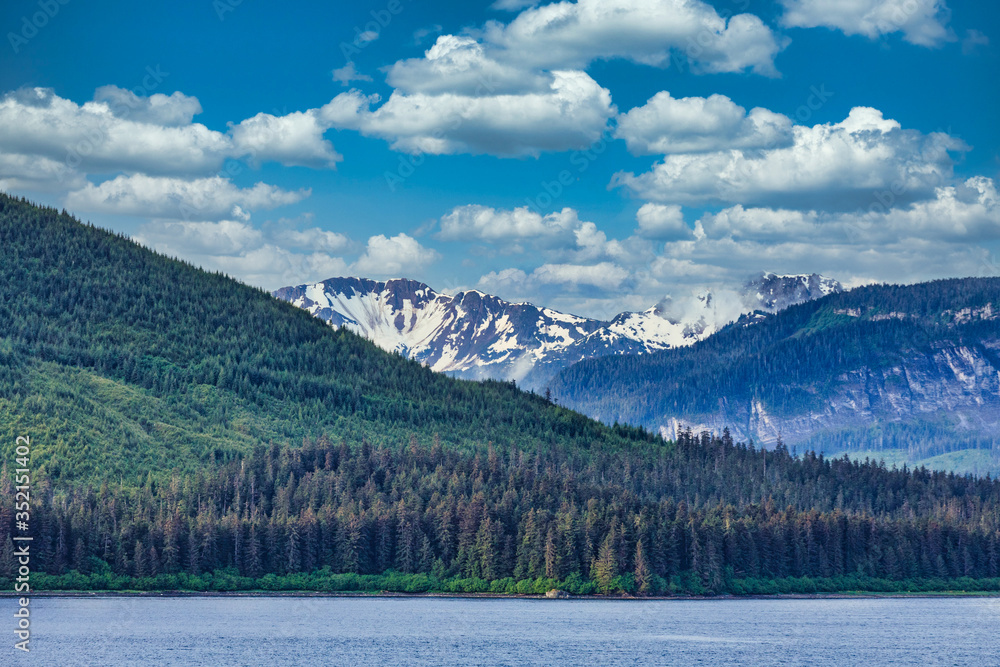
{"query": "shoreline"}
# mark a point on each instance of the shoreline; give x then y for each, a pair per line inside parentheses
(847, 595)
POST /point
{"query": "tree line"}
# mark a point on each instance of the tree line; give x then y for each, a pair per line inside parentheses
(693, 516)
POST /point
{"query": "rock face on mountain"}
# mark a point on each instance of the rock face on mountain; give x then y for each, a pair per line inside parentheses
(955, 386)
(909, 368)
(474, 335)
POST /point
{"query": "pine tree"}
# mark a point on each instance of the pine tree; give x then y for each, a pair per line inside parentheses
(605, 567)
(643, 577)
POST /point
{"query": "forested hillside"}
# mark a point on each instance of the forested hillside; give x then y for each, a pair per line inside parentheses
(705, 516)
(912, 369)
(188, 431)
(121, 362)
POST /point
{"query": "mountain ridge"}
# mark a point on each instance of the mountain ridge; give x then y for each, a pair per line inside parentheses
(475, 335)
(896, 368)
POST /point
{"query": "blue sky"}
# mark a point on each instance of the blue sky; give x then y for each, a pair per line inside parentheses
(590, 156)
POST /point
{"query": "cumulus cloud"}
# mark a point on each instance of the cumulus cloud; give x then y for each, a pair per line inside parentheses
(927, 239)
(571, 114)
(313, 239)
(561, 236)
(474, 222)
(698, 124)
(36, 173)
(292, 139)
(211, 198)
(942, 235)
(105, 136)
(120, 131)
(393, 257)
(235, 247)
(519, 89)
(603, 275)
(842, 164)
(660, 221)
(573, 34)
(968, 212)
(922, 22)
(172, 110)
(460, 65)
(176, 237)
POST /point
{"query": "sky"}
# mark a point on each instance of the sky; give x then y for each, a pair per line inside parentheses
(590, 156)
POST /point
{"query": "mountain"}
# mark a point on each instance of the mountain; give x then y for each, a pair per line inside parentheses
(910, 372)
(122, 362)
(188, 432)
(770, 292)
(474, 335)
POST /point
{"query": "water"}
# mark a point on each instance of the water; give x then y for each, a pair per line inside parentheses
(456, 631)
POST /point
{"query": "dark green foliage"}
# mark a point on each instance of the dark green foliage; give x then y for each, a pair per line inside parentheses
(698, 518)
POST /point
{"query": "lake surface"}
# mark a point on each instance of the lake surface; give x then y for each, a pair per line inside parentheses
(457, 631)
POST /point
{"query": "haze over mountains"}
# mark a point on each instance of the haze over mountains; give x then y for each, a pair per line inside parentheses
(475, 335)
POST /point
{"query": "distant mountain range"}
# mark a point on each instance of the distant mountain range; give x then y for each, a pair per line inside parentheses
(475, 335)
(911, 373)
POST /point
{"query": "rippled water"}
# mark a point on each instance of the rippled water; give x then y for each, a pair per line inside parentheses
(462, 631)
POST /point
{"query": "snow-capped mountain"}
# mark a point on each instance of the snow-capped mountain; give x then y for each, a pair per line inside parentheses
(469, 334)
(475, 335)
(771, 292)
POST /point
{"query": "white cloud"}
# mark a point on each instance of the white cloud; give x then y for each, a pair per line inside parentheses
(173, 110)
(474, 222)
(292, 139)
(266, 258)
(660, 221)
(941, 236)
(348, 73)
(202, 199)
(396, 256)
(603, 275)
(573, 34)
(519, 89)
(184, 238)
(571, 114)
(561, 236)
(922, 22)
(316, 239)
(513, 5)
(844, 164)
(272, 267)
(965, 213)
(106, 135)
(461, 66)
(928, 239)
(697, 124)
(35, 173)
(122, 132)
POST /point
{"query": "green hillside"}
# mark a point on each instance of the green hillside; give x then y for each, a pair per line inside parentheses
(191, 432)
(123, 362)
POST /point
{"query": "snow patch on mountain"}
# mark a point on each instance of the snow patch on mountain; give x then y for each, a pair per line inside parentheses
(475, 335)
